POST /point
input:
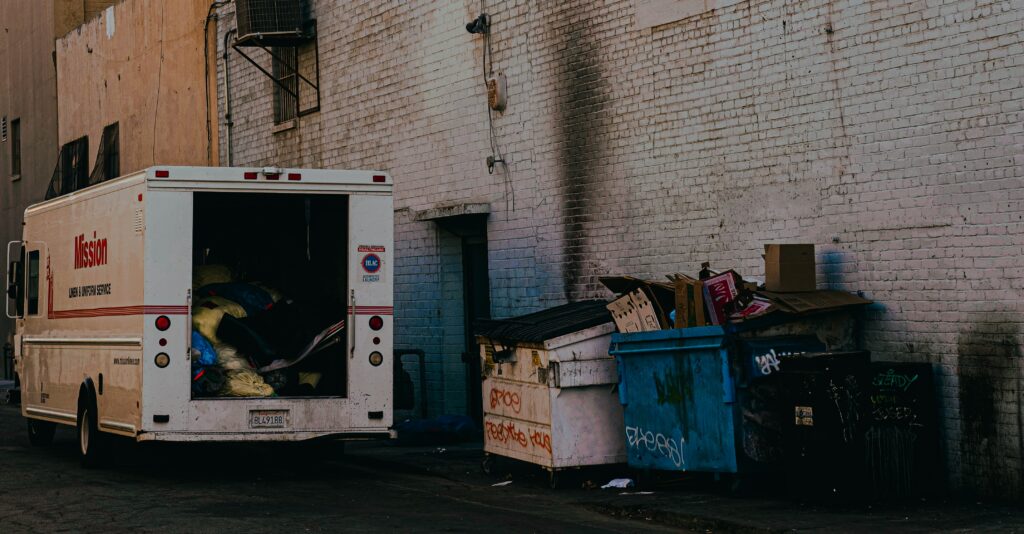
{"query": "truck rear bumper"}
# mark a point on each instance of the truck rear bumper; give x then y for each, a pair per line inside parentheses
(352, 435)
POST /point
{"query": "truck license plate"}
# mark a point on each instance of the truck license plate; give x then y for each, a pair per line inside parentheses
(268, 418)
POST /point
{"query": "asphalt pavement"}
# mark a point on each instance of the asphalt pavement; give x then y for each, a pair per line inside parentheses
(380, 486)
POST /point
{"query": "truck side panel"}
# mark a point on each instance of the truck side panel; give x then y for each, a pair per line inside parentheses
(87, 323)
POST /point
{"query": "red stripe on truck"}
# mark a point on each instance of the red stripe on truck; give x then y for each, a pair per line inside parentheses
(115, 311)
(372, 310)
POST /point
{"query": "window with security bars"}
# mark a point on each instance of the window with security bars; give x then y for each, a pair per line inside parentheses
(108, 158)
(16, 147)
(72, 170)
(286, 91)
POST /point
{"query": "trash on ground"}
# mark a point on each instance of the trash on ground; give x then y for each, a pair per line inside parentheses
(621, 483)
(500, 484)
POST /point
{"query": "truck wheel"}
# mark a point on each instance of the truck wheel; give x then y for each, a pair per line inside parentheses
(40, 433)
(90, 441)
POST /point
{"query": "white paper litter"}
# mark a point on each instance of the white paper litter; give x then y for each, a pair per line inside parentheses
(621, 483)
(499, 484)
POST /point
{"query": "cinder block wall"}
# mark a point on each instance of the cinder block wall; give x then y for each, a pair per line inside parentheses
(888, 133)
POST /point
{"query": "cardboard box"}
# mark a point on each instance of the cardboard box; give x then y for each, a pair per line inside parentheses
(719, 291)
(689, 294)
(789, 268)
(635, 312)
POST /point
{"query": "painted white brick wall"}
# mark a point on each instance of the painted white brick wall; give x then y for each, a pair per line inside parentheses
(888, 133)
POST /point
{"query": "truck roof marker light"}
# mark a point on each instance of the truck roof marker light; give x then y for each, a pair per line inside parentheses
(294, 176)
(272, 176)
(250, 176)
(163, 323)
(162, 174)
(379, 178)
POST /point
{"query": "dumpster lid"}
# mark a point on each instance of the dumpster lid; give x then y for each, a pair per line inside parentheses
(547, 324)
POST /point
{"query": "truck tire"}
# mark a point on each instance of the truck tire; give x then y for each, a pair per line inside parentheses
(90, 440)
(40, 433)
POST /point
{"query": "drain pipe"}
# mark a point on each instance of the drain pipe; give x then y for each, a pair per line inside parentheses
(228, 123)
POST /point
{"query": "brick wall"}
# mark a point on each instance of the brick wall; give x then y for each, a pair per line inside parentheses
(888, 133)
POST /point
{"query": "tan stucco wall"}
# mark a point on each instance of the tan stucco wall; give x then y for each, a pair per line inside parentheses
(28, 91)
(139, 64)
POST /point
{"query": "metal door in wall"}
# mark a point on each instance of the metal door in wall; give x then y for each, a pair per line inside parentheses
(477, 306)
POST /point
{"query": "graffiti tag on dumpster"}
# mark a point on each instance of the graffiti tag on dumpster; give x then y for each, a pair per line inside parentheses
(508, 399)
(541, 439)
(506, 433)
(638, 438)
(893, 380)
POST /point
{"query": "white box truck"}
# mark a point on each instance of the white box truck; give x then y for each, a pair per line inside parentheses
(101, 288)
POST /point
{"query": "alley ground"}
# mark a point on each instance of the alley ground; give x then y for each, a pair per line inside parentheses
(371, 487)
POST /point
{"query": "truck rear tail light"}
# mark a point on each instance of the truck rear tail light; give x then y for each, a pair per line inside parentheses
(294, 176)
(379, 178)
(162, 174)
(272, 176)
(250, 176)
(376, 322)
(163, 323)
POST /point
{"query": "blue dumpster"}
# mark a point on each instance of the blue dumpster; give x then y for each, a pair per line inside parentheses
(678, 398)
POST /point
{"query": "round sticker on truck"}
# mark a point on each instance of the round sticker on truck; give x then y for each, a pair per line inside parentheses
(371, 263)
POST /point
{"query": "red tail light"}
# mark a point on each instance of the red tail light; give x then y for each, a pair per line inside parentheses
(163, 323)
(162, 174)
(379, 178)
(250, 176)
(376, 322)
(294, 176)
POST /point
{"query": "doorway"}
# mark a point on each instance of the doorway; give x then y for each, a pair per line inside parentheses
(471, 231)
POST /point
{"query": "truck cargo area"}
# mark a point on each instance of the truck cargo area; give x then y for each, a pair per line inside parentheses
(269, 278)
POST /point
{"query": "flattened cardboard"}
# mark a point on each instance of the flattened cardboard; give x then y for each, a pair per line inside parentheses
(635, 312)
(813, 301)
(661, 295)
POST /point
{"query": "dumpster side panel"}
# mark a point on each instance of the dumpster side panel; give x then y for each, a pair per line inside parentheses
(677, 399)
(521, 440)
(586, 426)
(517, 400)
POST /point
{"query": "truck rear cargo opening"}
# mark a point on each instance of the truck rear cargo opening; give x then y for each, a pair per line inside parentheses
(269, 275)
(207, 304)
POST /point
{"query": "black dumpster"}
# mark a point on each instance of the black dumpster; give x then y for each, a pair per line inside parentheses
(829, 415)
(902, 441)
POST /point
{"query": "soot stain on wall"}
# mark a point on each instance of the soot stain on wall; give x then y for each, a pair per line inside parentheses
(581, 106)
(990, 400)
